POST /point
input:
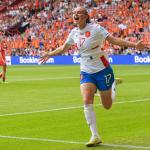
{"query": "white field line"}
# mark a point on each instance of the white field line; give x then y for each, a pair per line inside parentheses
(41, 79)
(135, 74)
(68, 108)
(71, 142)
(65, 77)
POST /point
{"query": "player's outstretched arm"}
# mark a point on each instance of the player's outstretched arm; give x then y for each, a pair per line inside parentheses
(57, 51)
(120, 42)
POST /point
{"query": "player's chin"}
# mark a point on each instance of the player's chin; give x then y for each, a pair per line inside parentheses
(76, 22)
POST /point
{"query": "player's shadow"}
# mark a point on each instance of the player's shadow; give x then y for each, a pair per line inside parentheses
(106, 147)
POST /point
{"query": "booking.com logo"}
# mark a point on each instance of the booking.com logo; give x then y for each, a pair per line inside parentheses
(33, 60)
(139, 59)
(77, 60)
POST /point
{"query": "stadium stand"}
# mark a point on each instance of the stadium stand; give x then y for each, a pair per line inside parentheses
(32, 26)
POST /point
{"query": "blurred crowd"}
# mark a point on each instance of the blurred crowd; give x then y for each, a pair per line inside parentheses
(46, 24)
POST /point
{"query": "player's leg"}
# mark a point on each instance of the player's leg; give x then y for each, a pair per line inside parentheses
(1, 64)
(114, 85)
(4, 66)
(4, 73)
(87, 91)
(108, 96)
(107, 87)
(1, 73)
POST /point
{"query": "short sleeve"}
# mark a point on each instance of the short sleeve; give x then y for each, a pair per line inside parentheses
(102, 32)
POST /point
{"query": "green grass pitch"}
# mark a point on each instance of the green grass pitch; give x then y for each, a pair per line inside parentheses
(41, 109)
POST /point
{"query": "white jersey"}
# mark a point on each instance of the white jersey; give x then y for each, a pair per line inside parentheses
(89, 42)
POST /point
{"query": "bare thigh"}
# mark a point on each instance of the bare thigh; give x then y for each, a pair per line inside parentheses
(106, 98)
(87, 92)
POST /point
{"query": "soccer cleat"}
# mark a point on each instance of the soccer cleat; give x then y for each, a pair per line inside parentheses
(94, 141)
(3, 78)
(118, 81)
(4, 82)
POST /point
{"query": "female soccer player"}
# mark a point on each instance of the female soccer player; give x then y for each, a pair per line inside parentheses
(96, 73)
(3, 60)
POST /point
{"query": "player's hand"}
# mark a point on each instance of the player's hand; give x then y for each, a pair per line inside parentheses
(140, 45)
(44, 58)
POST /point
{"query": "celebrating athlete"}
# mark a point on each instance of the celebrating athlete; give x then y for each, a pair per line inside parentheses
(96, 72)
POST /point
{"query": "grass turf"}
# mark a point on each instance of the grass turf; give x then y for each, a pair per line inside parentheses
(49, 89)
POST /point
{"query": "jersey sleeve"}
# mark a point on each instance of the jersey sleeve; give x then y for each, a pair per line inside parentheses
(70, 40)
(102, 32)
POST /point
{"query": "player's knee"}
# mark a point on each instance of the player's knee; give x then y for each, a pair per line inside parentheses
(88, 99)
(107, 106)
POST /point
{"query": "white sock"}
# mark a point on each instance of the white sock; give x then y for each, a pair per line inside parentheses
(113, 91)
(91, 119)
